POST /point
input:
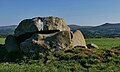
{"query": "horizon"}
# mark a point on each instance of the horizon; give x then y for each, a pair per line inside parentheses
(71, 24)
(77, 12)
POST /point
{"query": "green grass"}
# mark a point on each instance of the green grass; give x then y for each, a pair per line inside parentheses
(104, 59)
(104, 43)
(2, 40)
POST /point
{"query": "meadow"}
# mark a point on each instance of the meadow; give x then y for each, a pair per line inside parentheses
(104, 59)
(2, 40)
(104, 43)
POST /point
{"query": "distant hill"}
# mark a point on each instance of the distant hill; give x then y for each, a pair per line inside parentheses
(109, 26)
(74, 27)
(106, 30)
(6, 30)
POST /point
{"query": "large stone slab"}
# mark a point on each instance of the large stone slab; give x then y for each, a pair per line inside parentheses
(41, 24)
(78, 39)
(42, 42)
(11, 44)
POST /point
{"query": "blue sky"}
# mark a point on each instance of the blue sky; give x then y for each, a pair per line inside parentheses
(80, 12)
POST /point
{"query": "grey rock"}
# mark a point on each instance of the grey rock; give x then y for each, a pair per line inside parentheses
(78, 39)
(42, 42)
(60, 41)
(43, 33)
(11, 44)
(35, 43)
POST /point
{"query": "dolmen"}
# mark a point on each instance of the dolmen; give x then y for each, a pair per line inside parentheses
(43, 33)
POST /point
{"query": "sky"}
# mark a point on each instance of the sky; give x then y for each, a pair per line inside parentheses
(79, 12)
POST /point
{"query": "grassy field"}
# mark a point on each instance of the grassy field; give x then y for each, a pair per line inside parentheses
(72, 60)
(104, 43)
(2, 40)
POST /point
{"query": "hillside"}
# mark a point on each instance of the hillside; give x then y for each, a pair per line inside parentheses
(109, 26)
(107, 29)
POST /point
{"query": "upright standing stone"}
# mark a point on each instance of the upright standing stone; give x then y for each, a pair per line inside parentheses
(78, 39)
